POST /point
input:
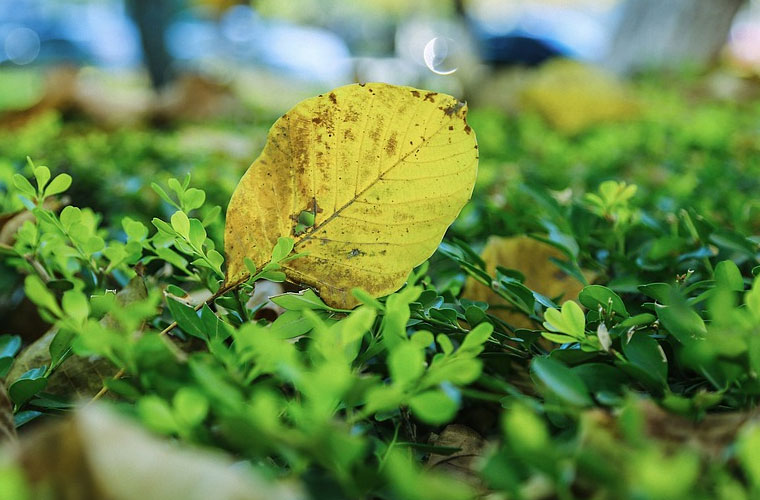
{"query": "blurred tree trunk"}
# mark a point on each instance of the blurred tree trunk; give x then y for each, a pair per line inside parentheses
(667, 33)
(152, 18)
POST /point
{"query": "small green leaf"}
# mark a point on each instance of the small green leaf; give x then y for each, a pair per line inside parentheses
(187, 318)
(197, 233)
(27, 385)
(569, 320)
(282, 249)
(40, 295)
(23, 185)
(61, 183)
(193, 198)
(162, 194)
(42, 175)
(728, 275)
(594, 296)
(181, 224)
(475, 339)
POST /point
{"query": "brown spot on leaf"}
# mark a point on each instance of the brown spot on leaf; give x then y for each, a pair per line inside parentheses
(333, 99)
(415, 93)
(451, 127)
(453, 108)
(429, 96)
(467, 129)
(316, 120)
(390, 148)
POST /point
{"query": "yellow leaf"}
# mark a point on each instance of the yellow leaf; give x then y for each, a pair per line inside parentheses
(531, 258)
(383, 169)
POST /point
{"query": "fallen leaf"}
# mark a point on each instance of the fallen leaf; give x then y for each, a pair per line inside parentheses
(461, 463)
(573, 96)
(711, 435)
(77, 377)
(382, 169)
(531, 258)
(98, 454)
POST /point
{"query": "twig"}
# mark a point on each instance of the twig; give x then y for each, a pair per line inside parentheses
(224, 289)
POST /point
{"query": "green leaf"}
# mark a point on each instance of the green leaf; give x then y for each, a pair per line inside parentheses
(42, 175)
(9, 346)
(290, 324)
(23, 185)
(197, 233)
(644, 352)
(558, 338)
(661, 292)
(193, 198)
(728, 275)
(40, 295)
(682, 322)
(569, 320)
(594, 296)
(162, 194)
(27, 385)
(475, 339)
(445, 342)
(433, 407)
(181, 224)
(561, 381)
(61, 183)
(187, 318)
(75, 305)
(163, 226)
(60, 346)
(282, 249)
(213, 327)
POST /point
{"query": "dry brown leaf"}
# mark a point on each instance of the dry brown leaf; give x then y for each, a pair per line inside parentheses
(462, 462)
(97, 454)
(530, 257)
(76, 377)
(382, 169)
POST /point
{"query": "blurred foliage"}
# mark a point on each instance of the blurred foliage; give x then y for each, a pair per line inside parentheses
(642, 387)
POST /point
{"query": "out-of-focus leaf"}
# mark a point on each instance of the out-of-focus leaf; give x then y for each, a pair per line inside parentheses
(96, 454)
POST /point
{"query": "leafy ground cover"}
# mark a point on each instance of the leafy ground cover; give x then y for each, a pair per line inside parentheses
(627, 370)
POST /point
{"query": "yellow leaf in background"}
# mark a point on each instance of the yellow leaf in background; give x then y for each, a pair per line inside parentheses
(530, 257)
(366, 179)
(573, 96)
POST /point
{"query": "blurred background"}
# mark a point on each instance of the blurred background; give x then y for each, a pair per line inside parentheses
(122, 60)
